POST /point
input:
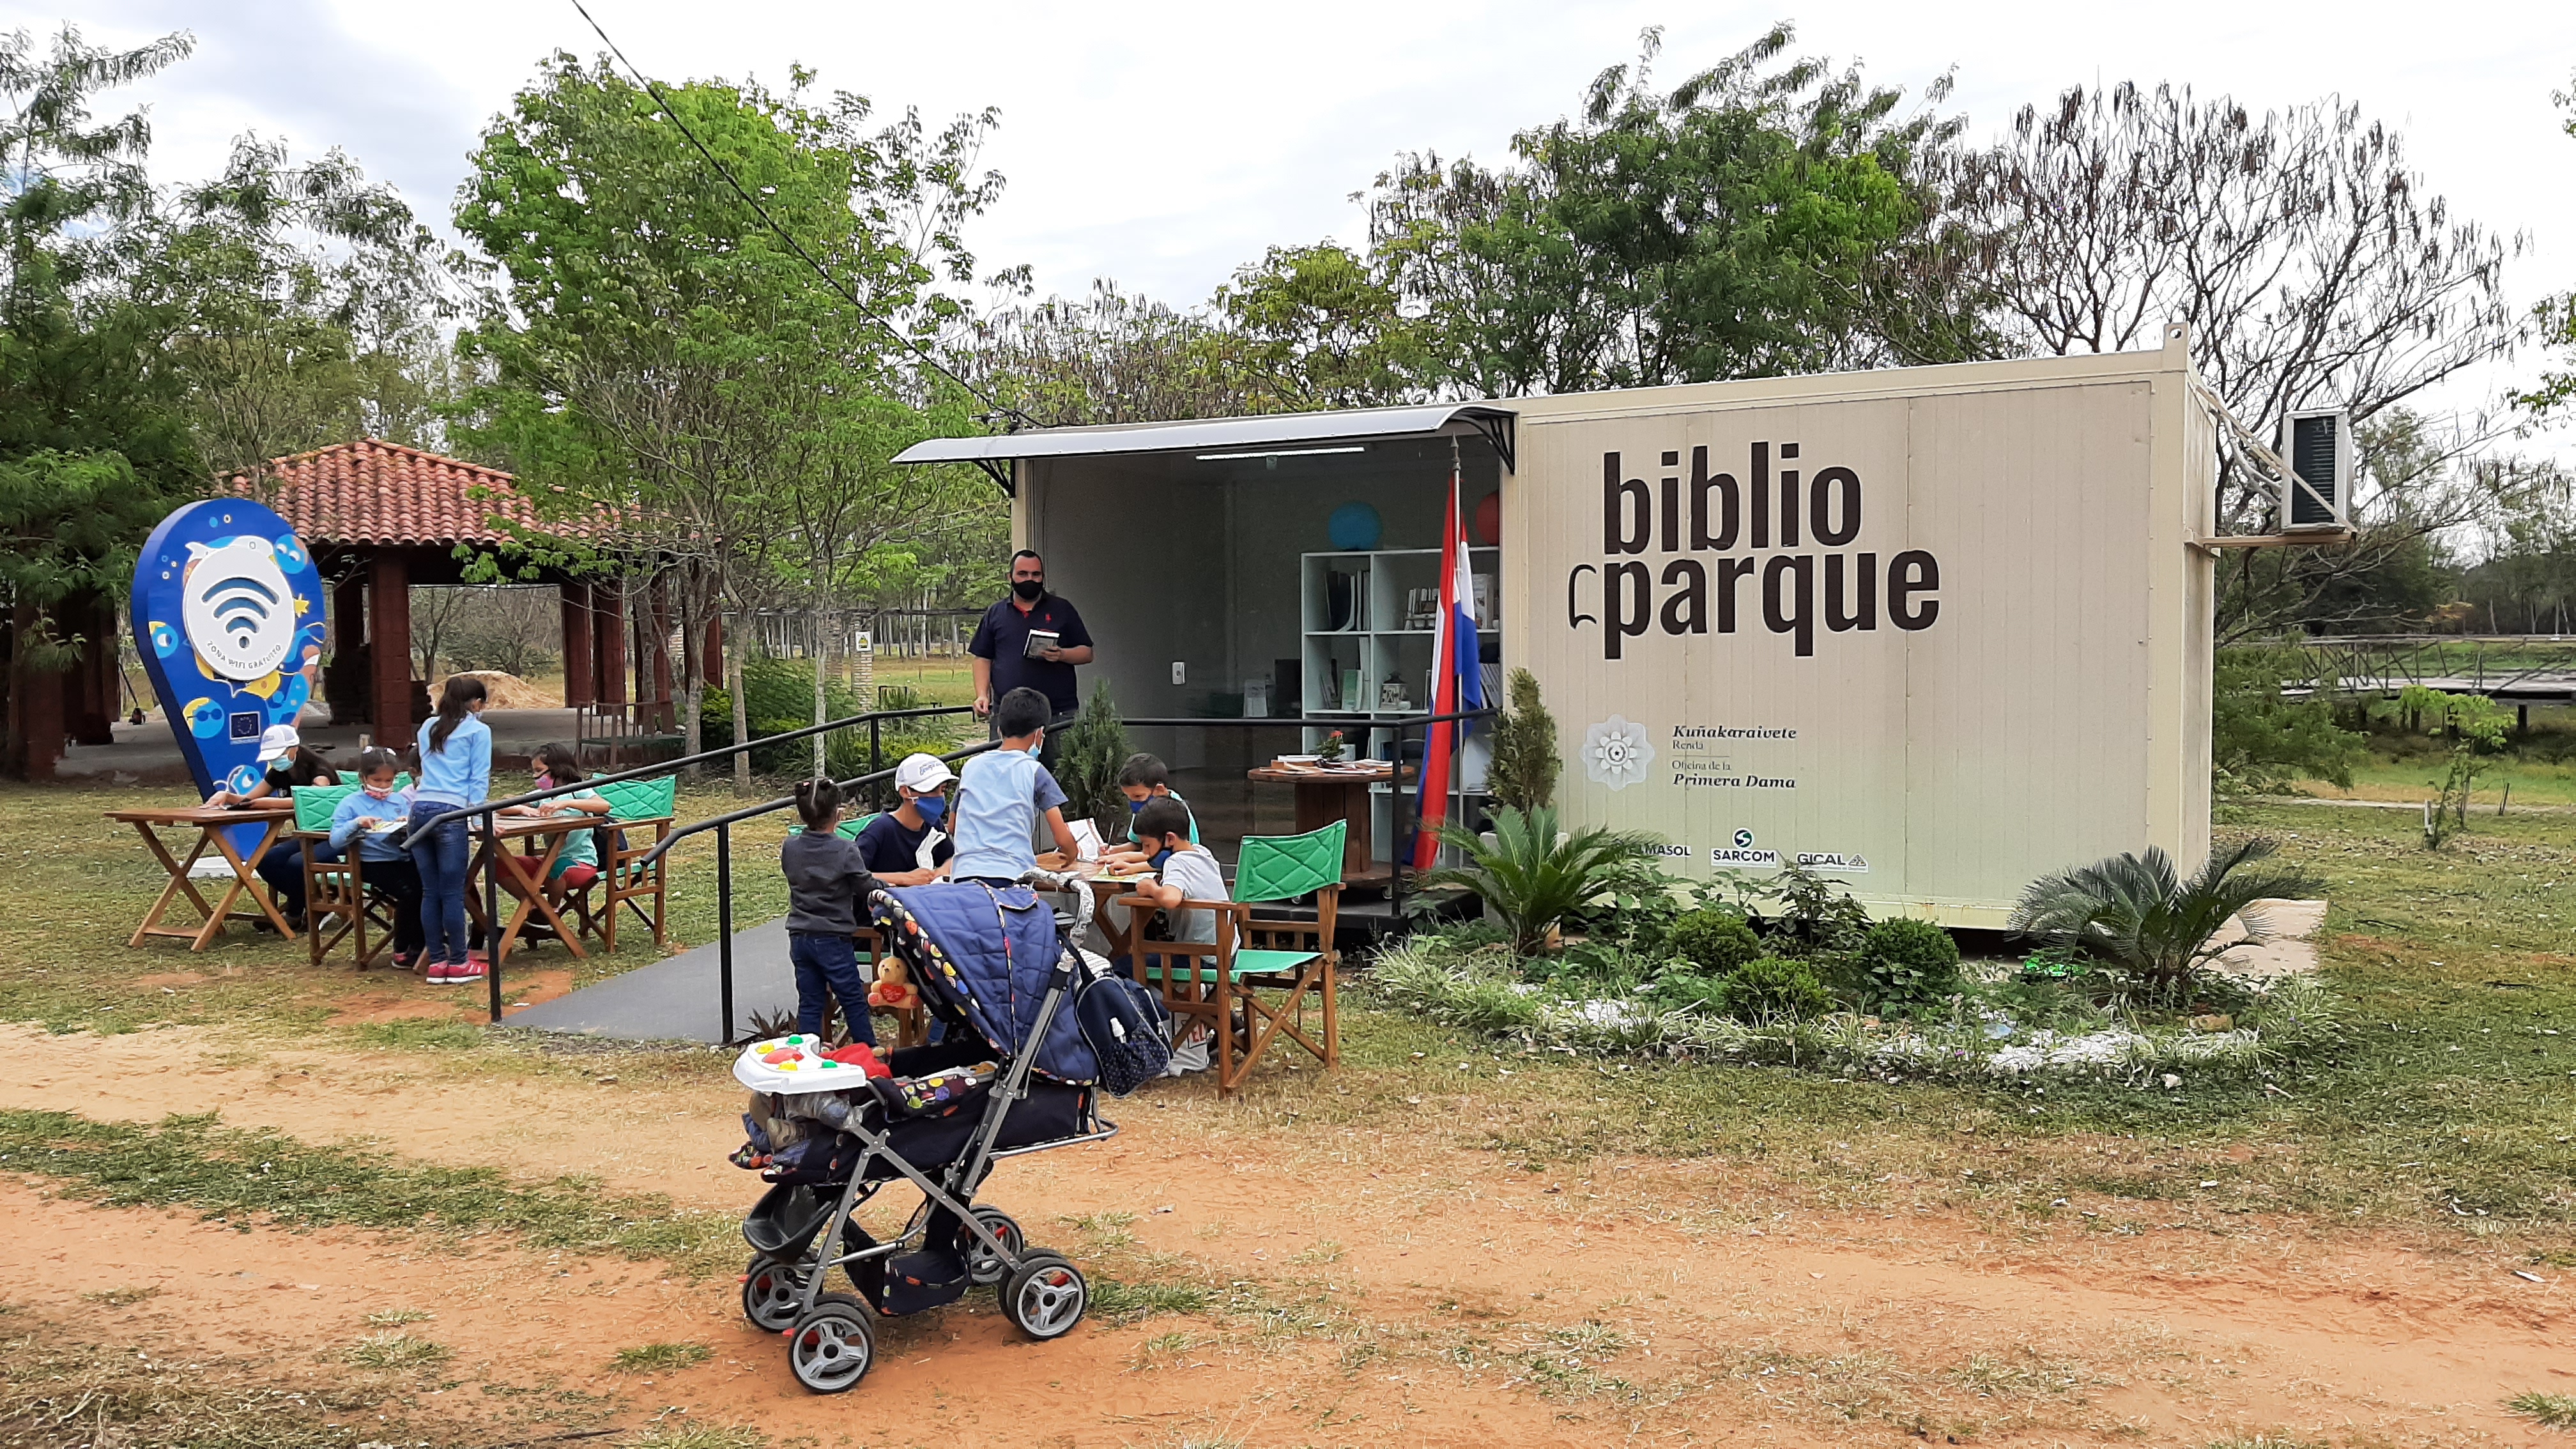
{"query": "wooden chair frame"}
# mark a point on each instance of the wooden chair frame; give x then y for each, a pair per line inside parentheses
(1242, 1027)
(338, 888)
(621, 879)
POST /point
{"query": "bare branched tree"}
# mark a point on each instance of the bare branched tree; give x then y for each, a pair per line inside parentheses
(2312, 266)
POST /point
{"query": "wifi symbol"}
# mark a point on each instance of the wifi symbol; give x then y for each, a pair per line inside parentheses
(236, 607)
(241, 605)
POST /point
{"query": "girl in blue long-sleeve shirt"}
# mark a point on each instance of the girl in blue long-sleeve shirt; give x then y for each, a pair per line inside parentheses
(455, 771)
(382, 862)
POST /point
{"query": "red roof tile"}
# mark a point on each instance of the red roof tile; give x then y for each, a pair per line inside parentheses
(375, 492)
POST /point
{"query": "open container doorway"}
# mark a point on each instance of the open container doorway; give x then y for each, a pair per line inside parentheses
(1272, 565)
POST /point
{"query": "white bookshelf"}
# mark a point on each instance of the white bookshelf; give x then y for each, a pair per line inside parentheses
(1375, 640)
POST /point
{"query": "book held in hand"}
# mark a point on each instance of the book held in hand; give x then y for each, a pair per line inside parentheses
(1040, 641)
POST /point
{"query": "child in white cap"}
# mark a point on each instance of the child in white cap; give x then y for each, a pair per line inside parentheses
(909, 845)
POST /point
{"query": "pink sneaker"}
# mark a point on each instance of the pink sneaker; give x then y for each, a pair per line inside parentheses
(472, 970)
(435, 973)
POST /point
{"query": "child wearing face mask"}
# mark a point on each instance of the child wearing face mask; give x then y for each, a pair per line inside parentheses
(1143, 780)
(382, 862)
(577, 864)
(909, 845)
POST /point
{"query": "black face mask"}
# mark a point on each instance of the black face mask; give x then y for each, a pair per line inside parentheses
(1029, 589)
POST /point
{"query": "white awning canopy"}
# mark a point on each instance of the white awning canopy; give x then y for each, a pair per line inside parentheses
(1255, 436)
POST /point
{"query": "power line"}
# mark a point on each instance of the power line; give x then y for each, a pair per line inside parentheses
(1002, 411)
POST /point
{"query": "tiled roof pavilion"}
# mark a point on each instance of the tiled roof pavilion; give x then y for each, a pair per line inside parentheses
(380, 493)
(380, 517)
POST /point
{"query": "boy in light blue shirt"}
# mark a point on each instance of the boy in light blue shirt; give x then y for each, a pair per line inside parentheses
(1004, 793)
(383, 864)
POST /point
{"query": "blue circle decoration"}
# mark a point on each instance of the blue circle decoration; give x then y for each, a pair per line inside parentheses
(1355, 527)
(205, 718)
(244, 778)
(165, 641)
(290, 553)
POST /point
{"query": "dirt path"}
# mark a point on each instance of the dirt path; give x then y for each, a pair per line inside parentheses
(1421, 1294)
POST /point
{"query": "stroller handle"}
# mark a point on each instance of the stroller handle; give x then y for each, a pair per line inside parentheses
(1068, 883)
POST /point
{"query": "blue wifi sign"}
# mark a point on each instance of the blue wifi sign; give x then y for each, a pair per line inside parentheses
(228, 613)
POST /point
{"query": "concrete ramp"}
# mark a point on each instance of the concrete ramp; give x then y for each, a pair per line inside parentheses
(676, 998)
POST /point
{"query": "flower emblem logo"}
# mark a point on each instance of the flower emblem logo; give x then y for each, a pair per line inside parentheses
(1617, 753)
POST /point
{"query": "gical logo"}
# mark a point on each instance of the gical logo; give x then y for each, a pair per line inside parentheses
(236, 607)
(1833, 862)
(1617, 753)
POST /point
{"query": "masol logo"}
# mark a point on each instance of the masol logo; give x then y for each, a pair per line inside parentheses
(1770, 531)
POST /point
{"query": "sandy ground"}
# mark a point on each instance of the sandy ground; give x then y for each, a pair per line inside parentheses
(1456, 1301)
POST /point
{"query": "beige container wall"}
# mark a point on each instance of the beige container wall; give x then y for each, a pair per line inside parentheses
(2054, 710)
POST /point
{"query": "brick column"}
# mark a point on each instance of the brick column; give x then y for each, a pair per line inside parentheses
(608, 647)
(389, 648)
(581, 687)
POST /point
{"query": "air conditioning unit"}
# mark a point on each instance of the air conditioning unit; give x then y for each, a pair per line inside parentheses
(2318, 447)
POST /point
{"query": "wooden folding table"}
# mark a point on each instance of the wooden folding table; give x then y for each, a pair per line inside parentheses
(214, 828)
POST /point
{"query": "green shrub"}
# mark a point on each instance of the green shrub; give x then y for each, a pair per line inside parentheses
(1766, 987)
(1906, 962)
(1775, 986)
(1713, 941)
(1690, 991)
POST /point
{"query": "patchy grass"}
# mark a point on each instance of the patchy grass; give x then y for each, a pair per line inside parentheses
(241, 1176)
(397, 1317)
(60, 1386)
(1119, 1301)
(2550, 1411)
(670, 1434)
(396, 1351)
(655, 1358)
(120, 1297)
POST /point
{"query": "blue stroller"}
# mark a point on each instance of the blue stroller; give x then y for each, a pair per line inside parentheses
(1014, 1073)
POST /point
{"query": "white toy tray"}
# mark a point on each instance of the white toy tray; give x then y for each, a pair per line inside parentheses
(804, 1071)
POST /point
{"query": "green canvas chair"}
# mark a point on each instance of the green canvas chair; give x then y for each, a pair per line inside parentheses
(624, 876)
(336, 890)
(1254, 983)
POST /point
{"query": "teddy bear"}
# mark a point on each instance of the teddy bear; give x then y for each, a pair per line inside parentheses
(893, 990)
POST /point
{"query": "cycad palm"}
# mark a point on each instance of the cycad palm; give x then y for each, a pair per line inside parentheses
(1529, 877)
(2133, 910)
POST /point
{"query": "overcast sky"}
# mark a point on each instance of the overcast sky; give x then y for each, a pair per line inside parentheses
(1165, 144)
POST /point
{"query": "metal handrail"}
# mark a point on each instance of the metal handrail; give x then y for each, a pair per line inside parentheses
(490, 810)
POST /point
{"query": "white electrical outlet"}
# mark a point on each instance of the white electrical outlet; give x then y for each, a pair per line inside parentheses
(1180, 672)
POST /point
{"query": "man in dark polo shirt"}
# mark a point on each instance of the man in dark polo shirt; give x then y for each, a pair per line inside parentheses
(1003, 660)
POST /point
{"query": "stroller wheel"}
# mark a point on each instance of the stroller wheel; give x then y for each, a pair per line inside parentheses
(831, 1348)
(982, 1267)
(773, 1293)
(1046, 1298)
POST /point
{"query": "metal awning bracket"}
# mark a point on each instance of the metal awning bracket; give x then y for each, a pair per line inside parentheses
(1497, 428)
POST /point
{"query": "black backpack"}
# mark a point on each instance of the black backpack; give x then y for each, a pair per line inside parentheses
(1124, 1023)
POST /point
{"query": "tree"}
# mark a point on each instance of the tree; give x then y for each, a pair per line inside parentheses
(93, 447)
(1318, 327)
(1113, 357)
(300, 303)
(659, 351)
(2159, 931)
(2555, 318)
(1767, 216)
(2261, 740)
(2311, 264)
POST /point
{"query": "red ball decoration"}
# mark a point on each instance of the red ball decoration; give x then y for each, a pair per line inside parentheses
(1489, 520)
